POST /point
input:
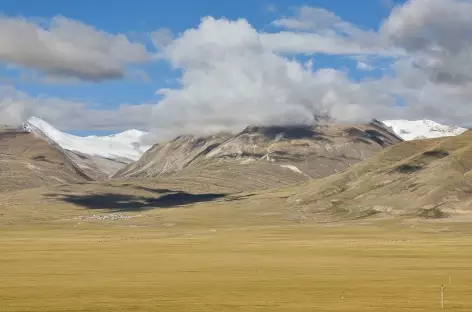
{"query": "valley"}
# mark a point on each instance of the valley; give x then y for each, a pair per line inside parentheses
(217, 230)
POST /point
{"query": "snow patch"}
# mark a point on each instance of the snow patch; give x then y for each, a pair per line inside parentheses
(279, 137)
(422, 129)
(125, 145)
(293, 168)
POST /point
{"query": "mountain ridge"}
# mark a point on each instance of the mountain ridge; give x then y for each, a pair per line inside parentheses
(120, 155)
(279, 154)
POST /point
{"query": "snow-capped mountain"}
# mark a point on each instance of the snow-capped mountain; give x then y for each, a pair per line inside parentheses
(122, 146)
(422, 129)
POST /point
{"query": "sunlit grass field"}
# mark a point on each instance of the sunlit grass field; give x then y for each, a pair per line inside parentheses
(126, 265)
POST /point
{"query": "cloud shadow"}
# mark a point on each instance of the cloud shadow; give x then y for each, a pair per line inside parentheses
(127, 203)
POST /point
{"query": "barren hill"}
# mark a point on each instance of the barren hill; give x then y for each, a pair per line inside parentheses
(428, 178)
(27, 161)
(274, 156)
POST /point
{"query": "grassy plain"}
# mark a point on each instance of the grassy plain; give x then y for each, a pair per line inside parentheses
(148, 264)
(349, 242)
(192, 247)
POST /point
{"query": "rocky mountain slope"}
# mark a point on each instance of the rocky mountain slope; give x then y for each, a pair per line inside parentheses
(283, 155)
(28, 161)
(96, 167)
(422, 129)
(429, 178)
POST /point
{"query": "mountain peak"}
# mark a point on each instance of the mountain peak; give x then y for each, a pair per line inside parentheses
(124, 146)
(422, 129)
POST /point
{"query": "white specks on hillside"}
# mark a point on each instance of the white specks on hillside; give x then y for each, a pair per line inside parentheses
(295, 169)
(38, 170)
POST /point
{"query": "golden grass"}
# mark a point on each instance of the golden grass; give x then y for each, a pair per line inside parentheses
(277, 250)
(144, 265)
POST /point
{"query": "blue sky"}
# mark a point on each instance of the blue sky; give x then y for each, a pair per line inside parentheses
(137, 20)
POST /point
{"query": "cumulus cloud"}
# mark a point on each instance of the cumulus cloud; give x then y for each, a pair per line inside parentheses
(437, 33)
(317, 30)
(232, 75)
(16, 107)
(232, 79)
(426, 99)
(67, 48)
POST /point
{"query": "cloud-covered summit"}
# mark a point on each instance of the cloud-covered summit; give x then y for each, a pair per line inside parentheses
(231, 78)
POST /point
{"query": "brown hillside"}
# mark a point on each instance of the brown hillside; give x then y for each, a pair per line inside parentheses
(263, 157)
(27, 161)
(428, 178)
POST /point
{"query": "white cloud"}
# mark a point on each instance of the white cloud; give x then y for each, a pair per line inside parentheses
(16, 107)
(162, 37)
(318, 19)
(313, 43)
(437, 34)
(67, 48)
(231, 78)
(317, 30)
(233, 75)
(426, 99)
(364, 66)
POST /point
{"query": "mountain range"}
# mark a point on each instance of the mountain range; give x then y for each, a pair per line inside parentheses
(329, 169)
(119, 155)
(260, 157)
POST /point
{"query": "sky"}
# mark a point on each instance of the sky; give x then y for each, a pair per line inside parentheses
(200, 67)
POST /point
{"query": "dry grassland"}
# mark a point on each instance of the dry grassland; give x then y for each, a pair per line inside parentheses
(159, 262)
